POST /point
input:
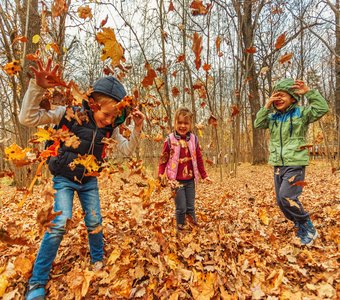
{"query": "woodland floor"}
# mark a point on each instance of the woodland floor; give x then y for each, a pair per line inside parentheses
(243, 247)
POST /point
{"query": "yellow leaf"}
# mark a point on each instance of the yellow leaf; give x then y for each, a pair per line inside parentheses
(43, 134)
(36, 39)
(14, 152)
(112, 49)
(48, 47)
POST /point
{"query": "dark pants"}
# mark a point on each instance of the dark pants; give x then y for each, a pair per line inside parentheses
(185, 201)
(287, 194)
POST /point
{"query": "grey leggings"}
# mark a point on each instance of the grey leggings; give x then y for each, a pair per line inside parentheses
(287, 194)
(185, 201)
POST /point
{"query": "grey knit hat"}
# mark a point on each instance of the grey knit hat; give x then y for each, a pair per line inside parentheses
(110, 86)
(285, 85)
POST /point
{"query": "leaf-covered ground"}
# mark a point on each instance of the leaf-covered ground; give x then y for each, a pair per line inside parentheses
(243, 248)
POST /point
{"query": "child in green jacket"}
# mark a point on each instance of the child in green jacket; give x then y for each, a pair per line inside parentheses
(288, 125)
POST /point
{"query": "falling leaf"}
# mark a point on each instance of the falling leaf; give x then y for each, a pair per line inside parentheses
(175, 91)
(112, 49)
(285, 58)
(213, 121)
(280, 41)
(59, 8)
(84, 12)
(15, 152)
(88, 161)
(13, 67)
(171, 6)
(206, 67)
(150, 76)
(104, 21)
(291, 179)
(251, 50)
(300, 183)
(234, 110)
(20, 38)
(197, 49)
(36, 39)
(179, 59)
(264, 70)
(198, 8)
(45, 217)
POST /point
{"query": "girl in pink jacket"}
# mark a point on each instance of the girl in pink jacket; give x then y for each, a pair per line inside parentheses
(182, 162)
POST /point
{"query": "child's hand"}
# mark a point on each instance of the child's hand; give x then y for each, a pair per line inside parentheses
(138, 117)
(207, 180)
(300, 87)
(271, 101)
(43, 76)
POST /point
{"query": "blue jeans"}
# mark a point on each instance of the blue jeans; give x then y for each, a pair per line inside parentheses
(63, 201)
(287, 194)
(185, 201)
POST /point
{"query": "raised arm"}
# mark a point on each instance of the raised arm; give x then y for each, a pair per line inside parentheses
(31, 114)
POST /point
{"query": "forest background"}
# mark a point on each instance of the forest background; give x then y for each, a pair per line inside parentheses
(220, 59)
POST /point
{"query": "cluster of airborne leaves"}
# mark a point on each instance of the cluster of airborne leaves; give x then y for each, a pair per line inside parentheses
(243, 248)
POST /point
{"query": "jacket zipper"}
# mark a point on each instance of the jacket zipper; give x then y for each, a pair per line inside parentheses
(281, 144)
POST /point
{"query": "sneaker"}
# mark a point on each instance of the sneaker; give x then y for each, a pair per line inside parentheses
(308, 233)
(97, 266)
(35, 292)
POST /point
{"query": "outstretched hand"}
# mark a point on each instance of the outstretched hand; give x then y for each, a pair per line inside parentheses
(300, 87)
(46, 77)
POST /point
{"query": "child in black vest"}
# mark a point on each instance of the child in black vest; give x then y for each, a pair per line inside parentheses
(107, 92)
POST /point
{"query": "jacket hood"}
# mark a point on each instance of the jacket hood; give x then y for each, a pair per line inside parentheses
(285, 85)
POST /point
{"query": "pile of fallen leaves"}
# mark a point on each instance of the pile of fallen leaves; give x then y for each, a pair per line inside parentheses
(243, 248)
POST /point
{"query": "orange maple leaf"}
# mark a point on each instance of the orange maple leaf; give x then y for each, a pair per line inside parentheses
(285, 58)
(59, 7)
(198, 8)
(197, 48)
(251, 50)
(19, 38)
(206, 67)
(175, 91)
(150, 76)
(12, 67)
(234, 110)
(112, 49)
(212, 121)
(84, 12)
(280, 41)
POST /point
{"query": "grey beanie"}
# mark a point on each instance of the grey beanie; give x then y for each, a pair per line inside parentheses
(110, 86)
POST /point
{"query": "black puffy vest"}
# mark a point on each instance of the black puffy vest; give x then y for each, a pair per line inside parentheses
(90, 137)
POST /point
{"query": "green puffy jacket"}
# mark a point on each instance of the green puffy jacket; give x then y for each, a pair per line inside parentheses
(288, 130)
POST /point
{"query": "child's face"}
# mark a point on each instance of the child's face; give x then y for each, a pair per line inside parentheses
(282, 100)
(182, 125)
(107, 113)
